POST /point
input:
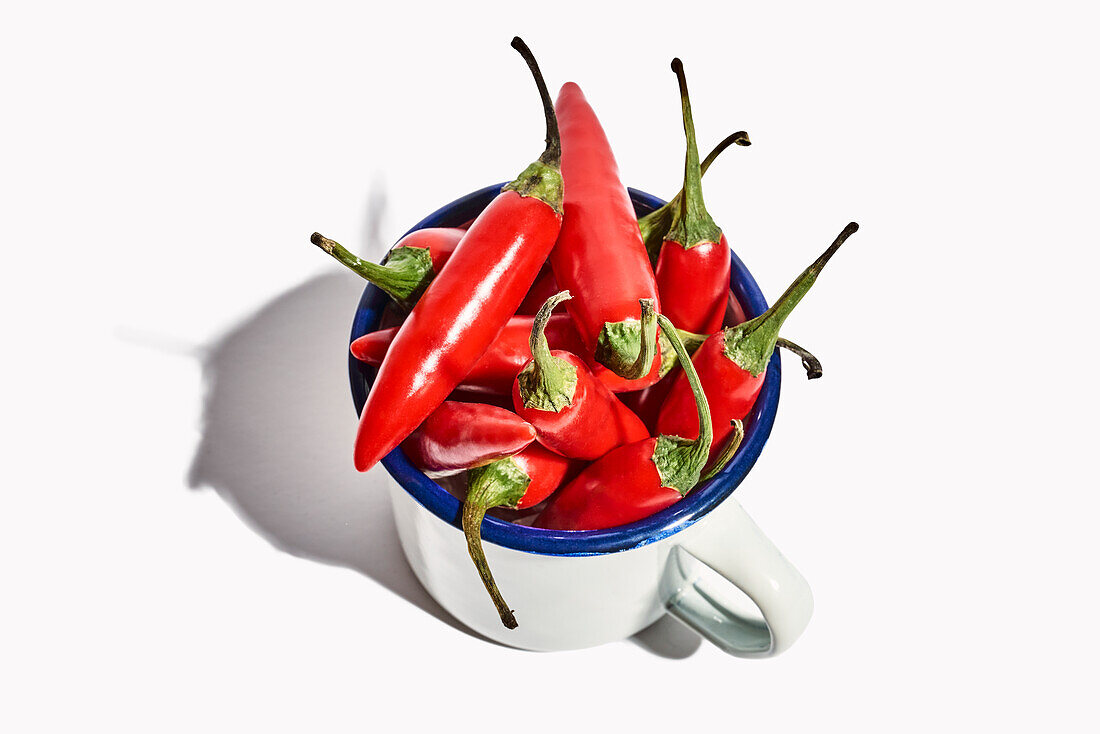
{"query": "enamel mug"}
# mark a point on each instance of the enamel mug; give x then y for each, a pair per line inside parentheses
(702, 560)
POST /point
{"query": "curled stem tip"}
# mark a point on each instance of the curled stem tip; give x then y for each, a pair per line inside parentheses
(810, 363)
(547, 382)
(538, 341)
(552, 155)
(738, 138)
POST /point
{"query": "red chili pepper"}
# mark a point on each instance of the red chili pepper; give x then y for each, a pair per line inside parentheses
(412, 264)
(544, 287)
(693, 267)
(600, 257)
(460, 436)
(469, 302)
(574, 413)
(497, 369)
(732, 363)
(640, 478)
(517, 482)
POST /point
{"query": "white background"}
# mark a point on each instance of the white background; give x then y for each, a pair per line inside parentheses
(185, 544)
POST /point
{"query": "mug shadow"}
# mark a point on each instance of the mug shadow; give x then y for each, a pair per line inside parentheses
(277, 424)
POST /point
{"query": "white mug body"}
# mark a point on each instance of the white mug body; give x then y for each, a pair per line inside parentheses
(565, 602)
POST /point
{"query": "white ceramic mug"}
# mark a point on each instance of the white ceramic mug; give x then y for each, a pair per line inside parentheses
(721, 576)
(703, 560)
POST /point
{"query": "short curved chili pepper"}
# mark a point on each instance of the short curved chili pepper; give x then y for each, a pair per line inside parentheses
(655, 225)
(518, 482)
(458, 317)
(693, 266)
(412, 264)
(732, 363)
(638, 479)
(574, 414)
(600, 257)
(494, 373)
(459, 436)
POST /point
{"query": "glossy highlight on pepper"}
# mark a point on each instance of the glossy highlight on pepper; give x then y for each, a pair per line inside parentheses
(459, 436)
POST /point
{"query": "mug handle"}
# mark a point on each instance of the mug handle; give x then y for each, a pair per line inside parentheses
(731, 584)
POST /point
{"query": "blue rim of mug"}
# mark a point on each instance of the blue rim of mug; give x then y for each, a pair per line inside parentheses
(660, 525)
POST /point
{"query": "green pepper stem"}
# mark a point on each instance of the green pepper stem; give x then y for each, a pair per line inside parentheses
(472, 515)
(502, 482)
(629, 347)
(647, 349)
(656, 224)
(546, 383)
(706, 430)
(810, 363)
(750, 344)
(691, 223)
(741, 138)
(728, 450)
(680, 461)
(552, 155)
(669, 360)
(540, 348)
(403, 278)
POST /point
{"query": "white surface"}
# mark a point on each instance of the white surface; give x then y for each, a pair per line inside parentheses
(161, 170)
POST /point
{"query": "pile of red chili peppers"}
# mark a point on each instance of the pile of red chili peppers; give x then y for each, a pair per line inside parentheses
(567, 358)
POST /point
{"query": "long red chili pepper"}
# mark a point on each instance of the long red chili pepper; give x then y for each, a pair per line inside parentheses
(497, 369)
(655, 225)
(732, 363)
(600, 257)
(637, 479)
(693, 267)
(470, 301)
(520, 481)
(574, 413)
(413, 262)
(460, 436)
